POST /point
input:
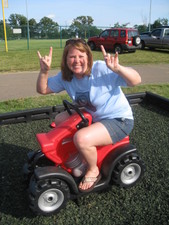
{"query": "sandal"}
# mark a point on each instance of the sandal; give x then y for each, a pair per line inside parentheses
(95, 180)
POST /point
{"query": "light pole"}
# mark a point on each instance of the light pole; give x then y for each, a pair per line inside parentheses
(150, 17)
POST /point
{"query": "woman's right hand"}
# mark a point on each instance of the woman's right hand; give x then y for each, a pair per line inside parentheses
(46, 61)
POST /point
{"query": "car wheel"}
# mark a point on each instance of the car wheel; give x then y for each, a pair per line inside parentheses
(128, 171)
(132, 51)
(118, 48)
(92, 45)
(136, 40)
(48, 196)
(142, 45)
(152, 48)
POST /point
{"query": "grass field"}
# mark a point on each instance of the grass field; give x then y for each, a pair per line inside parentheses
(33, 44)
(20, 59)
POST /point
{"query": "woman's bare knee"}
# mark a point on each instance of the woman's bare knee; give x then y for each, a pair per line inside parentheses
(80, 140)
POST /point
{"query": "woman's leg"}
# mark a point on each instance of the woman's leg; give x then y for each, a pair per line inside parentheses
(86, 141)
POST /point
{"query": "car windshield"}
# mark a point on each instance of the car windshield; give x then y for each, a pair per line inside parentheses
(132, 33)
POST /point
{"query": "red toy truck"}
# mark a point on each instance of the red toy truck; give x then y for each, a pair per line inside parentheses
(54, 172)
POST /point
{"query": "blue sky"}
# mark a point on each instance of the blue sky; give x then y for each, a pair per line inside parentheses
(104, 12)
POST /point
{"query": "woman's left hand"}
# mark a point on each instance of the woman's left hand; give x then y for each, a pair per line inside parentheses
(112, 62)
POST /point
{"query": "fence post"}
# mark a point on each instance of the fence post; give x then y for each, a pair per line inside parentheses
(27, 26)
(60, 37)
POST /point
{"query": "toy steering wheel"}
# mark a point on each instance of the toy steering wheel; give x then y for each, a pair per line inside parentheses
(69, 106)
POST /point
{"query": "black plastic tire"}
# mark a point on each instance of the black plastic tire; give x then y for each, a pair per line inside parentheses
(48, 197)
(35, 159)
(118, 48)
(92, 45)
(128, 171)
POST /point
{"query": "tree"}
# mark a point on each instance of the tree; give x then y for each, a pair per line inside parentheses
(33, 28)
(159, 23)
(117, 24)
(16, 20)
(32, 22)
(80, 26)
(8, 31)
(94, 31)
(164, 22)
(48, 28)
(141, 28)
(83, 20)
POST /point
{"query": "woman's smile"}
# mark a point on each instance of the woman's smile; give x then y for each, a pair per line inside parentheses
(77, 62)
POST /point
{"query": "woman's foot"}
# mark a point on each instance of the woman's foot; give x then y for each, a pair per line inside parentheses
(89, 180)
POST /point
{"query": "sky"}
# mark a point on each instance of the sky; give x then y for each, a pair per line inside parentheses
(104, 12)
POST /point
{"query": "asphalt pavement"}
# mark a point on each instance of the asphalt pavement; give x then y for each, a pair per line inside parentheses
(23, 84)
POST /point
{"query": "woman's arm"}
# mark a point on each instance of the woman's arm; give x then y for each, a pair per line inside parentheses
(130, 75)
(42, 81)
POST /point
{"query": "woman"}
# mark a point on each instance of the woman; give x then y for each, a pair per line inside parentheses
(95, 86)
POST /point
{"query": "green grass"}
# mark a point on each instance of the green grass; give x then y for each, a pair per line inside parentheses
(20, 59)
(22, 44)
(160, 89)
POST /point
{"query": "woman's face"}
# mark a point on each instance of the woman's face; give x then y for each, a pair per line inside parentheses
(77, 62)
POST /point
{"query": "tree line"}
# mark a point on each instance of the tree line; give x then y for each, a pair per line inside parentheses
(82, 26)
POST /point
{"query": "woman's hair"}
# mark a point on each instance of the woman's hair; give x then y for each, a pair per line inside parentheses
(80, 45)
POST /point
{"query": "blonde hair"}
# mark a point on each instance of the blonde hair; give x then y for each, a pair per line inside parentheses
(82, 46)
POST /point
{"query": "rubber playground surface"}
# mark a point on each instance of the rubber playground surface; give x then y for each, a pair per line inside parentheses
(147, 203)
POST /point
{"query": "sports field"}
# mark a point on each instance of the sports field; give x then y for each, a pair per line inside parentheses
(18, 58)
(33, 44)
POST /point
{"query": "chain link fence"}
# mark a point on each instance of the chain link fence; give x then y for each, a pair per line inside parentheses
(39, 37)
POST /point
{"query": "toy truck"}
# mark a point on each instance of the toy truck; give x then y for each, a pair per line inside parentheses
(53, 173)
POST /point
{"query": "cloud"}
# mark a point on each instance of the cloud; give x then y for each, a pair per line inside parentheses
(51, 16)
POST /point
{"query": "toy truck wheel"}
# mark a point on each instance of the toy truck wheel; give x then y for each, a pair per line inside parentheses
(128, 171)
(48, 196)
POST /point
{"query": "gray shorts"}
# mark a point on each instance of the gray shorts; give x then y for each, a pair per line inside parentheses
(118, 128)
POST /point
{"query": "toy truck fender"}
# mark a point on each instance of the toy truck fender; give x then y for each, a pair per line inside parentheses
(113, 157)
(51, 172)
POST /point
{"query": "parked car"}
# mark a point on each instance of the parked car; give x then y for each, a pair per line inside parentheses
(117, 39)
(158, 38)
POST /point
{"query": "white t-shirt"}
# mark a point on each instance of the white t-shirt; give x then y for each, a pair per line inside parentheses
(99, 93)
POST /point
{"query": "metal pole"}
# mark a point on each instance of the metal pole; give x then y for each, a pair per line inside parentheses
(60, 37)
(150, 17)
(6, 46)
(27, 26)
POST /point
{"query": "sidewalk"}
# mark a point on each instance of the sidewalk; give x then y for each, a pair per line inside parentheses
(23, 84)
